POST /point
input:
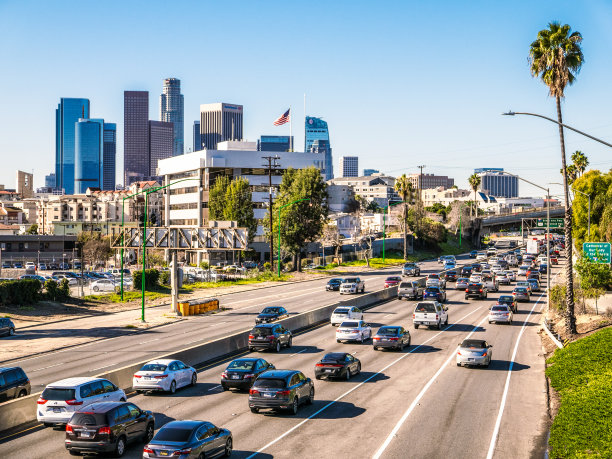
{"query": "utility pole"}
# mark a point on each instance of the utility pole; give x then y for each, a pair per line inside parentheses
(272, 165)
(420, 201)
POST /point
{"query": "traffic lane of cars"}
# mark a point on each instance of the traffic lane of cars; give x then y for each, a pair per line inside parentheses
(230, 409)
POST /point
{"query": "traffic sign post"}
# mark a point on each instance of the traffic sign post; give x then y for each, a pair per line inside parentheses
(554, 223)
(597, 252)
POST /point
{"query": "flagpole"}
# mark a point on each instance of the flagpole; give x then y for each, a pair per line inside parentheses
(290, 130)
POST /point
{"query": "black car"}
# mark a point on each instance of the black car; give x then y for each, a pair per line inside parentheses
(509, 301)
(333, 284)
(241, 373)
(183, 439)
(7, 327)
(473, 253)
(476, 290)
(271, 314)
(281, 390)
(476, 267)
(269, 336)
(337, 365)
(466, 271)
(13, 383)
(451, 276)
(543, 268)
(108, 427)
(391, 336)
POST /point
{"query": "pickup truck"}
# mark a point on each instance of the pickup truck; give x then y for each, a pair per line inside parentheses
(411, 269)
(352, 285)
(430, 313)
(411, 290)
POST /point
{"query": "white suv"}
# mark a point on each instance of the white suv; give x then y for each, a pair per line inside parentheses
(61, 399)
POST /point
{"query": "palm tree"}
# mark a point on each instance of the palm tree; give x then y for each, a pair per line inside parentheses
(474, 180)
(580, 162)
(556, 57)
(403, 187)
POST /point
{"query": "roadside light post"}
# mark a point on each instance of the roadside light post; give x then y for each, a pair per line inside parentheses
(278, 263)
(385, 211)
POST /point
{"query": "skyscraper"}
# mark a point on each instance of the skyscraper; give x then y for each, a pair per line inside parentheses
(171, 111)
(161, 141)
(349, 166)
(220, 122)
(109, 156)
(317, 141)
(275, 143)
(135, 136)
(88, 157)
(68, 112)
(25, 184)
(495, 183)
(50, 180)
(197, 137)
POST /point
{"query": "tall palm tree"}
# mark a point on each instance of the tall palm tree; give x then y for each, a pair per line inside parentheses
(580, 162)
(556, 57)
(403, 187)
(474, 180)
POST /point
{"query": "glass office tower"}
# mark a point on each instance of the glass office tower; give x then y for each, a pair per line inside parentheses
(171, 111)
(68, 112)
(109, 156)
(275, 143)
(317, 141)
(197, 137)
(88, 167)
(135, 136)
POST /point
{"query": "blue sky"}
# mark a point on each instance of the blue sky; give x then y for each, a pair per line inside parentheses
(400, 83)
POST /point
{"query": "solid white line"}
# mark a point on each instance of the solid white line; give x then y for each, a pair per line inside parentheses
(356, 387)
(399, 424)
(303, 350)
(213, 388)
(44, 368)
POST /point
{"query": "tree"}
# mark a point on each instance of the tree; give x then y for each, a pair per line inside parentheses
(303, 221)
(572, 173)
(556, 57)
(331, 238)
(96, 249)
(580, 162)
(33, 229)
(403, 188)
(599, 187)
(216, 198)
(238, 205)
(474, 180)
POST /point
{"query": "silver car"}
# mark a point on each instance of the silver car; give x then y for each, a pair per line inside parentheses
(510, 275)
(474, 352)
(500, 313)
(462, 283)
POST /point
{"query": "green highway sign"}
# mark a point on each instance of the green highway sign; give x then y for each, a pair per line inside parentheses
(554, 223)
(597, 252)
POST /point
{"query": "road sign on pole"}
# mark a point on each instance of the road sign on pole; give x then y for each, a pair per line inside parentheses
(597, 252)
(554, 223)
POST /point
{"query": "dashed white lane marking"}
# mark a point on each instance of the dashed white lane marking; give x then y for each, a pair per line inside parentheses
(303, 350)
(213, 388)
(44, 368)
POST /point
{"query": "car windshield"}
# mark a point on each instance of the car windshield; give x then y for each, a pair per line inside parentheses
(349, 324)
(433, 276)
(273, 383)
(271, 311)
(425, 307)
(88, 419)
(499, 308)
(388, 331)
(473, 343)
(173, 434)
(520, 290)
(409, 265)
(154, 367)
(341, 311)
(351, 280)
(334, 357)
(241, 365)
(261, 331)
(52, 393)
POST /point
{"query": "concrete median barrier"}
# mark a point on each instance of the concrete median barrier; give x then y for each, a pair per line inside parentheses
(23, 411)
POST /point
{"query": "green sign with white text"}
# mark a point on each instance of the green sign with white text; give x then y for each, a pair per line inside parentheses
(597, 252)
(554, 223)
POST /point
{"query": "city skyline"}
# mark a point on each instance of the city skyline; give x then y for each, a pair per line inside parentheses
(456, 125)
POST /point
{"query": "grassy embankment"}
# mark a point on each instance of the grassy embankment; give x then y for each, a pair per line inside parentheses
(582, 374)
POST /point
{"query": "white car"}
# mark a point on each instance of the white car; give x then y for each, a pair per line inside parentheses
(352, 285)
(164, 375)
(106, 285)
(500, 313)
(496, 269)
(343, 313)
(475, 278)
(522, 271)
(353, 330)
(502, 278)
(542, 259)
(481, 256)
(510, 275)
(61, 399)
(435, 280)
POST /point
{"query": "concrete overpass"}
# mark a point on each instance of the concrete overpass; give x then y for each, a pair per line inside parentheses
(497, 222)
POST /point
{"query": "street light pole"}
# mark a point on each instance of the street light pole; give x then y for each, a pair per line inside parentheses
(278, 262)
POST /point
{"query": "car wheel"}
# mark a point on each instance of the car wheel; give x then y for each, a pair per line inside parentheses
(439, 327)
(119, 447)
(361, 339)
(290, 342)
(337, 341)
(254, 410)
(359, 368)
(375, 348)
(466, 297)
(310, 400)
(22, 393)
(416, 325)
(317, 376)
(251, 349)
(348, 374)
(228, 448)
(294, 406)
(172, 387)
(458, 364)
(446, 321)
(149, 432)
(224, 387)
(278, 346)
(96, 288)
(11, 331)
(194, 378)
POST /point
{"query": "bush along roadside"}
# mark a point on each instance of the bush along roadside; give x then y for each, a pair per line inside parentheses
(582, 374)
(30, 291)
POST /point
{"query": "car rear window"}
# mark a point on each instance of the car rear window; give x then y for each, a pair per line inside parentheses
(349, 324)
(88, 419)
(154, 367)
(388, 331)
(425, 307)
(341, 311)
(406, 285)
(333, 357)
(521, 290)
(173, 434)
(261, 331)
(52, 393)
(241, 365)
(474, 343)
(499, 308)
(505, 298)
(273, 383)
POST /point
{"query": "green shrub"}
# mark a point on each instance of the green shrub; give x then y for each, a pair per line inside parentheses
(55, 291)
(267, 266)
(164, 278)
(305, 262)
(557, 297)
(21, 291)
(204, 265)
(151, 279)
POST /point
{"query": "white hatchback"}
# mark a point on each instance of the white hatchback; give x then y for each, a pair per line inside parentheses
(164, 375)
(353, 330)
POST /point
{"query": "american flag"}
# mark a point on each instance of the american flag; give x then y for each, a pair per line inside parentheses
(284, 118)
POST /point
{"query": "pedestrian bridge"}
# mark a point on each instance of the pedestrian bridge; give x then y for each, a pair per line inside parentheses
(515, 219)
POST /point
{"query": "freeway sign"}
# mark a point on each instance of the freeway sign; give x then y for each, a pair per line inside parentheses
(597, 252)
(554, 223)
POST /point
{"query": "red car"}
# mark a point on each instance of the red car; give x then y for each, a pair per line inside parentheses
(554, 260)
(392, 281)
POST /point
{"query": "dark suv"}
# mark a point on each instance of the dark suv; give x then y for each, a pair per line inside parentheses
(108, 427)
(7, 327)
(281, 389)
(241, 373)
(451, 276)
(269, 336)
(13, 383)
(476, 290)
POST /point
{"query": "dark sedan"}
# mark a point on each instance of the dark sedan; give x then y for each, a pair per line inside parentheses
(435, 293)
(7, 327)
(334, 284)
(269, 336)
(241, 373)
(451, 276)
(337, 365)
(271, 314)
(466, 271)
(189, 439)
(473, 253)
(509, 301)
(391, 336)
(281, 389)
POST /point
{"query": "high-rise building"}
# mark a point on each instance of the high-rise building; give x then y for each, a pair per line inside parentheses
(135, 136)
(50, 180)
(317, 141)
(369, 172)
(161, 141)
(68, 112)
(349, 166)
(197, 137)
(493, 182)
(171, 111)
(275, 143)
(428, 181)
(25, 184)
(220, 122)
(88, 157)
(109, 156)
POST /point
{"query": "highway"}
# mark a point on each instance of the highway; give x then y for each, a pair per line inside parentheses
(415, 403)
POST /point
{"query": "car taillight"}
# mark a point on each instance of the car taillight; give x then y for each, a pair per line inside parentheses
(147, 450)
(335, 365)
(41, 401)
(393, 339)
(249, 375)
(480, 290)
(224, 375)
(458, 352)
(271, 338)
(413, 315)
(467, 290)
(104, 430)
(74, 402)
(69, 428)
(436, 316)
(484, 354)
(253, 392)
(251, 337)
(181, 452)
(161, 376)
(137, 376)
(285, 392)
